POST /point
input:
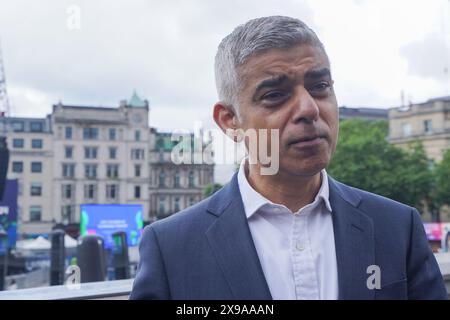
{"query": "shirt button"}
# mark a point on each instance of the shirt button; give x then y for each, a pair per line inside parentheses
(300, 247)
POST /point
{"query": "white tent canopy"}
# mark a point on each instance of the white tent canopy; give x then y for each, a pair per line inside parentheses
(40, 243)
(70, 242)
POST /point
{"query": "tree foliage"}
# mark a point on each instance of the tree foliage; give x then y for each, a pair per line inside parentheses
(441, 193)
(210, 189)
(365, 159)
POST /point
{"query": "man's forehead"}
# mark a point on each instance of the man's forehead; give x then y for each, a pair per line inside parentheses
(296, 61)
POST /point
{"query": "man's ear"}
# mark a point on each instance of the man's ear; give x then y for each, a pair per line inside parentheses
(225, 116)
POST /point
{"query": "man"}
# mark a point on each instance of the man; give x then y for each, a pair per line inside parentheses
(297, 233)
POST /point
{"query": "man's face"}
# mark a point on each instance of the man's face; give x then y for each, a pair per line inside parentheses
(292, 90)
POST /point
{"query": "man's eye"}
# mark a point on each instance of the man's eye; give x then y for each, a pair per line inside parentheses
(273, 96)
(320, 87)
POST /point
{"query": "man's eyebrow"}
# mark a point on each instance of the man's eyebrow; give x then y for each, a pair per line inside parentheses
(317, 74)
(272, 82)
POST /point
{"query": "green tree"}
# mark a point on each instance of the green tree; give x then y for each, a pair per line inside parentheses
(441, 193)
(210, 189)
(365, 159)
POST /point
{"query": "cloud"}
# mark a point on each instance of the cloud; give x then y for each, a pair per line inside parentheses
(428, 57)
(163, 49)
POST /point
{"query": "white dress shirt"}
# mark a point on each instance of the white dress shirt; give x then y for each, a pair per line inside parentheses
(296, 250)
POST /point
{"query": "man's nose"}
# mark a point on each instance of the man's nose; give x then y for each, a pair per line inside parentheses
(305, 108)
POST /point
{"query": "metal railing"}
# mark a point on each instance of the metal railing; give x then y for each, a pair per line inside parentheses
(120, 289)
(117, 289)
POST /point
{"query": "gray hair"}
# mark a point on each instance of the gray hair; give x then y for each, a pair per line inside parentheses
(256, 36)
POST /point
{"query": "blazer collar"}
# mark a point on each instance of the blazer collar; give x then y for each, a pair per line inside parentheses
(232, 243)
(354, 242)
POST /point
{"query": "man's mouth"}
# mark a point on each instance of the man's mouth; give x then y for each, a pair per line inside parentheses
(307, 141)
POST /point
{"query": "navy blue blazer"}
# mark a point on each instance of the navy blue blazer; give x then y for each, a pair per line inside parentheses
(207, 252)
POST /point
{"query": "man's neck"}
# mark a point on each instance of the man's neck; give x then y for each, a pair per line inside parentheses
(294, 192)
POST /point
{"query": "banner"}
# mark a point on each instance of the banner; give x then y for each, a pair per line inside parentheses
(8, 211)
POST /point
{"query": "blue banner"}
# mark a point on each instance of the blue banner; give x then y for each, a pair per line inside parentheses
(105, 219)
(8, 211)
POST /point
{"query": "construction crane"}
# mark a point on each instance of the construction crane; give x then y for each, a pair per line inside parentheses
(4, 100)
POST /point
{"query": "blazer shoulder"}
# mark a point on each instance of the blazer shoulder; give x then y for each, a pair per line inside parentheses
(188, 224)
(196, 217)
(376, 205)
(393, 222)
(184, 217)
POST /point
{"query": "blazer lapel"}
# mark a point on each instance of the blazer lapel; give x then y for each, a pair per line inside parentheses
(354, 241)
(231, 241)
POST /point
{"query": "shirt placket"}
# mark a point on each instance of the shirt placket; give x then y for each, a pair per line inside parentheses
(305, 278)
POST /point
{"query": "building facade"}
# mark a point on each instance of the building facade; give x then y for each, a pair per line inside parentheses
(427, 122)
(175, 186)
(30, 143)
(100, 157)
(85, 155)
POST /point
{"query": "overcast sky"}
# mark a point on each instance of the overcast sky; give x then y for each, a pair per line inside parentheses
(165, 50)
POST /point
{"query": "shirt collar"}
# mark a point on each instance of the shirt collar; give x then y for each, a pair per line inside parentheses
(253, 200)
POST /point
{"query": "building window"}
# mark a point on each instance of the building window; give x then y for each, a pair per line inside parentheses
(112, 191)
(36, 143)
(18, 126)
(112, 152)
(90, 191)
(35, 213)
(406, 129)
(67, 191)
(177, 180)
(90, 152)
(162, 205)
(68, 152)
(191, 179)
(68, 170)
(68, 133)
(160, 144)
(18, 143)
(36, 167)
(162, 179)
(17, 166)
(36, 189)
(191, 201)
(137, 170)
(67, 214)
(137, 135)
(112, 134)
(427, 126)
(137, 154)
(90, 171)
(36, 126)
(137, 192)
(90, 133)
(177, 204)
(112, 170)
